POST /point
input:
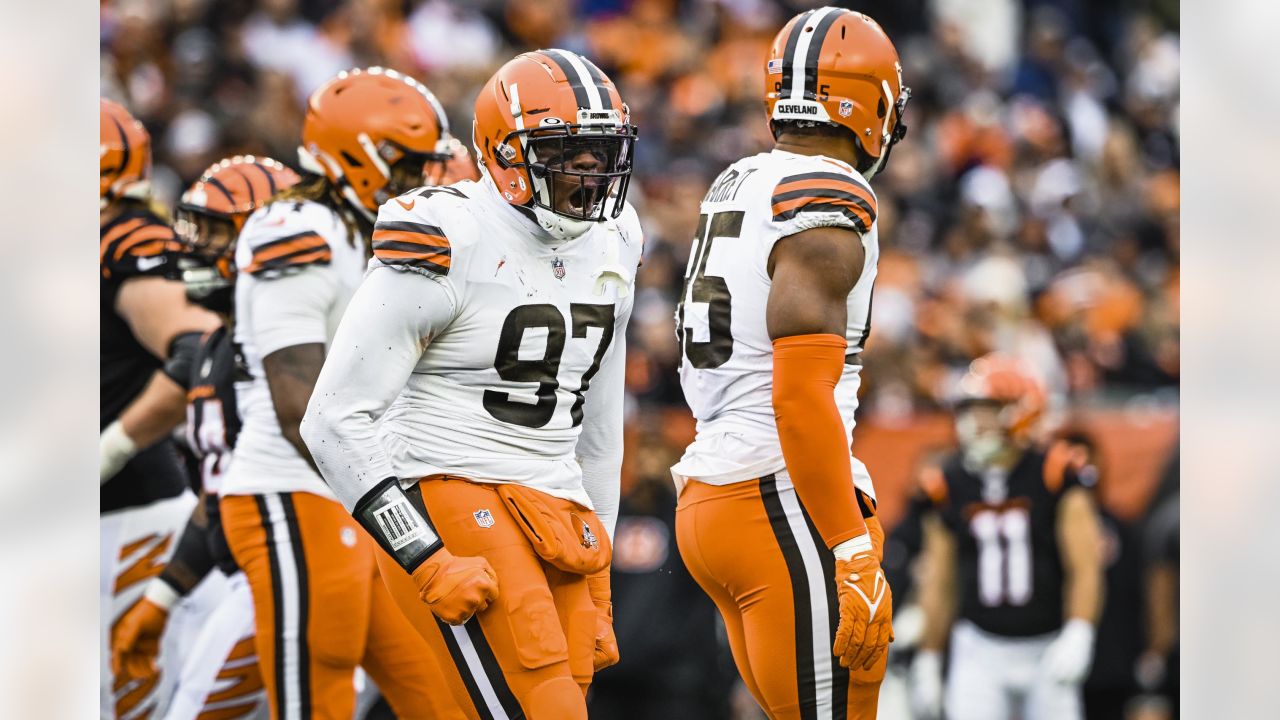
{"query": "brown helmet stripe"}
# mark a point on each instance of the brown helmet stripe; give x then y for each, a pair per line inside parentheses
(598, 78)
(580, 95)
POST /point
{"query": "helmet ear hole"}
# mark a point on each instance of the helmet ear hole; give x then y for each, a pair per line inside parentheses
(351, 160)
(881, 108)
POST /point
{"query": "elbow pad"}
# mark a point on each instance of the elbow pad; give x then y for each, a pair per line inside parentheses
(182, 357)
(806, 369)
(399, 523)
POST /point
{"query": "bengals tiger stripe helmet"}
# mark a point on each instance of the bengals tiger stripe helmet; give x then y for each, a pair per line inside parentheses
(371, 132)
(228, 192)
(124, 154)
(837, 67)
(539, 113)
(1005, 381)
(210, 216)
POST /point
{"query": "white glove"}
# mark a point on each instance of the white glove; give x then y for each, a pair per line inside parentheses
(926, 685)
(115, 448)
(1068, 657)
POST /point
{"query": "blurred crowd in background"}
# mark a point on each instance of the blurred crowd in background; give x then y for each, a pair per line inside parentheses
(1033, 208)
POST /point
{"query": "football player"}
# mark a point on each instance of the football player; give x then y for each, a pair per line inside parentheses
(469, 413)
(776, 520)
(220, 671)
(319, 608)
(1015, 543)
(149, 335)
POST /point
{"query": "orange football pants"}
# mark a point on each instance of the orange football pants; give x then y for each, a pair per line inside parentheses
(753, 548)
(320, 611)
(530, 653)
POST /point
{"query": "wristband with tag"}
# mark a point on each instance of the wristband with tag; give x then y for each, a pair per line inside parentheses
(397, 524)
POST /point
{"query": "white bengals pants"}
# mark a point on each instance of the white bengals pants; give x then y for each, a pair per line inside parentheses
(1000, 678)
(136, 544)
(220, 670)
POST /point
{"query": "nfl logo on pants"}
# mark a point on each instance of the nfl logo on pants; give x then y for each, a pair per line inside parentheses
(483, 517)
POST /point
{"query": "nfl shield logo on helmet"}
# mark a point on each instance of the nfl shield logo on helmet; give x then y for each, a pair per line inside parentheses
(846, 108)
(483, 517)
(557, 268)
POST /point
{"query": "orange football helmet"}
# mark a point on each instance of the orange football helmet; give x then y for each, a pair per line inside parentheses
(1004, 381)
(556, 139)
(371, 132)
(835, 66)
(124, 154)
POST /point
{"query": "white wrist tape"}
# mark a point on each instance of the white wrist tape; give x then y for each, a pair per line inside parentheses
(115, 448)
(160, 593)
(853, 546)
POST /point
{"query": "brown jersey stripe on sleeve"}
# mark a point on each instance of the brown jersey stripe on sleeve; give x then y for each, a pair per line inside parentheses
(824, 192)
(427, 234)
(298, 249)
(816, 201)
(412, 244)
(402, 249)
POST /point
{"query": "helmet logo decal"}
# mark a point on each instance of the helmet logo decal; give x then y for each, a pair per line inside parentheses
(557, 268)
(552, 121)
(846, 108)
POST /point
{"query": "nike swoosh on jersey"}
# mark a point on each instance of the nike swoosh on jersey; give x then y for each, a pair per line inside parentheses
(149, 263)
(407, 205)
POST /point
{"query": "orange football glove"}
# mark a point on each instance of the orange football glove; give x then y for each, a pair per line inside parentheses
(135, 640)
(866, 611)
(606, 652)
(455, 588)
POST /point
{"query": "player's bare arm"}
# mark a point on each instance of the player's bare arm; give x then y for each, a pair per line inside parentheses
(157, 311)
(938, 598)
(813, 272)
(1080, 540)
(291, 376)
(1068, 658)
(156, 412)
(937, 584)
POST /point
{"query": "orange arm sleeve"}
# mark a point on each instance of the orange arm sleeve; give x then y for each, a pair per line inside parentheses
(806, 369)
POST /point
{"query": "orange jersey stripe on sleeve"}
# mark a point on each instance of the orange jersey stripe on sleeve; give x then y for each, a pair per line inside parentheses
(413, 245)
(304, 248)
(824, 192)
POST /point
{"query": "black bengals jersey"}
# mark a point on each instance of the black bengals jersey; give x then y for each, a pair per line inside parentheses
(135, 244)
(213, 424)
(1009, 573)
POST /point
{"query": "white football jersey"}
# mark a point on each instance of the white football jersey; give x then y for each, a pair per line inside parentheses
(297, 268)
(727, 356)
(501, 359)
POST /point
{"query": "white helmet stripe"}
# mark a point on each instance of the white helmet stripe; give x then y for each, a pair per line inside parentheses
(802, 51)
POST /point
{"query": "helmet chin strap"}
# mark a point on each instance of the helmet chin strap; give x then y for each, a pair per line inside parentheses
(559, 226)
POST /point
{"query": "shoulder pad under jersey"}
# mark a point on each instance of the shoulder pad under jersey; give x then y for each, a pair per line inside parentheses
(283, 237)
(814, 186)
(411, 230)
